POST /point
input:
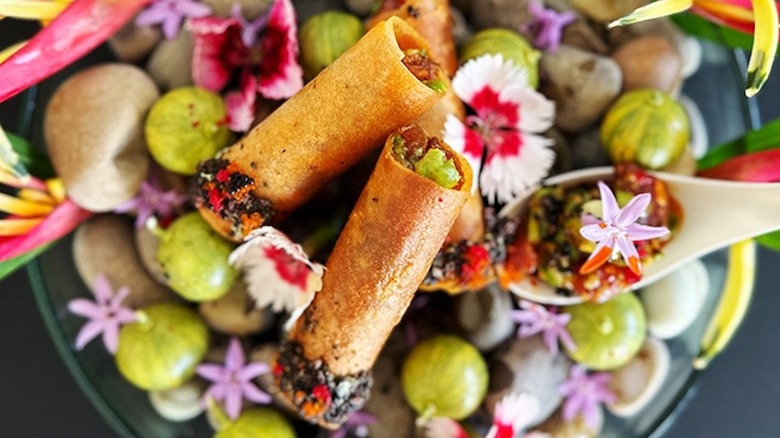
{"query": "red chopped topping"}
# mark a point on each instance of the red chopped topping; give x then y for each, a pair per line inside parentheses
(476, 259)
(321, 393)
(215, 199)
(223, 175)
(278, 369)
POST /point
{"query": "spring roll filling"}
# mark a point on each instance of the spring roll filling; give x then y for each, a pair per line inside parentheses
(427, 157)
(425, 69)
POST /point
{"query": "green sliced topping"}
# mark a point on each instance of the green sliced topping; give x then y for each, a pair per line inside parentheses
(435, 166)
(437, 85)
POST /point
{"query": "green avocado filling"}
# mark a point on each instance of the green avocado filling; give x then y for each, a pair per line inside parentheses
(425, 69)
(426, 160)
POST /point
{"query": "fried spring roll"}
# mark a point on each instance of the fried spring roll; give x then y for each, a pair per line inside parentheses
(400, 221)
(383, 82)
(432, 19)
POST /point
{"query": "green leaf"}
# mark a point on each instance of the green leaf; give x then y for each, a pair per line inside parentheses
(10, 161)
(767, 137)
(10, 266)
(700, 27)
(35, 161)
(770, 240)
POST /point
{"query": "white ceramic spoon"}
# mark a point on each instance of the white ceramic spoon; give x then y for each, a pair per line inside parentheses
(715, 213)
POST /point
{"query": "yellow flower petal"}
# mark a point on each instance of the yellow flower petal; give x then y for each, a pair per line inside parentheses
(661, 8)
(34, 195)
(56, 189)
(17, 227)
(31, 9)
(20, 207)
(762, 56)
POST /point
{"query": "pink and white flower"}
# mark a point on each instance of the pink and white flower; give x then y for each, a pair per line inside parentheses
(277, 271)
(513, 413)
(265, 48)
(503, 132)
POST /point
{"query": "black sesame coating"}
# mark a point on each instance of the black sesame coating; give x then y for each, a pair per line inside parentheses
(236, 203)
(298, 377)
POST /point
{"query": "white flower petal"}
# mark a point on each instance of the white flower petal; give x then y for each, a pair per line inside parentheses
(455, 135)
(261, 275)
(487, 70)
(536, 113)
(506, 176)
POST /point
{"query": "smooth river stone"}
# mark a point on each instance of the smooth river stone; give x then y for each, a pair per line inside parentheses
(93, 127)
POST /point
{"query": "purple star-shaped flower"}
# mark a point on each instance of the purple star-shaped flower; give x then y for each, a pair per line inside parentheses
(547, 26)
(357, 423)
(233, 380)
(170, 14)
(584, 393)
(535, 318)
(618, 229)
(106, 314)
(152, 200)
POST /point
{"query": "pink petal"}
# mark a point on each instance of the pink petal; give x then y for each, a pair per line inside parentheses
(234, 358)
(111, 336)
(254, 394)
(102, 289)
(151, 15)
(609, 205)
(88, 332)
(171, 26)
(241, 105)
(252, 370)
(280, 74)
(638, 232)
(633, 210)
(595, 232)
(61, 221)
(210, 68)
(572, 407)
(233, 401)
(212, 372)
(517, 162)
(627, 249)
(85, 308)
(81, 27)
(217, 391)
(125, 316)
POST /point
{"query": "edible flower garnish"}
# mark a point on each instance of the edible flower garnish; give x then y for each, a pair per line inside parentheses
(171, 14)
(584, 393)
(33, 212)
(106, 314)
(513, 413)
(357, 424)
(759, 18)
(277, 271)
(547, 26)
(266, 48)
(509, 115)
(617, 230)
(233, 380)
(82, 26)
(152, 201)
(534, 318)
(443, 427)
